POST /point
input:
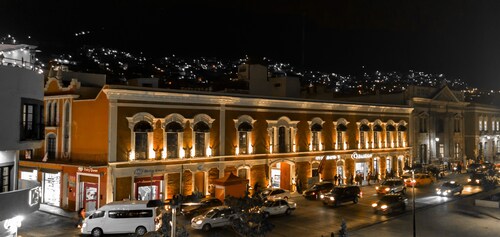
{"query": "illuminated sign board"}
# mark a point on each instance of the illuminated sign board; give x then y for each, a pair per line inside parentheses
(87, 169)
(361, 156)
(330, 157)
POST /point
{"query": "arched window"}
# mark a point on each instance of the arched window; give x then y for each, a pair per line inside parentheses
(282, 135)
(316, 137)
(67, 126)
(142, 132)
(363, 136)
(341, 133)
(389, 136)
(173, 132)
(401, 137)
(377, 130)
(243, 137)
(51, 146)
(201, 135)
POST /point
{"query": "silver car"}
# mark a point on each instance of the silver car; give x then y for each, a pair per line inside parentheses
(215, 217)
(391, 186)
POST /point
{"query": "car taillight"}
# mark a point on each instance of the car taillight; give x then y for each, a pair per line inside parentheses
(361, 194)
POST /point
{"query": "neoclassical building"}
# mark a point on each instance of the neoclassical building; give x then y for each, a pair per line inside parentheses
(129, 142)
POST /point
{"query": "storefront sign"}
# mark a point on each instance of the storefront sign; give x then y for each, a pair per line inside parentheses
(361, 156)
(140, 171)
(330, 157)
(87, 169)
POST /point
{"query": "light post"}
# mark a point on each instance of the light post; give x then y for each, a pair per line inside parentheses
(413, 201)
(438, 155)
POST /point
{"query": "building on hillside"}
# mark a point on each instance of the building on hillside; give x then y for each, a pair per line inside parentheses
(143, 143)
(445, 127)
(21, 101)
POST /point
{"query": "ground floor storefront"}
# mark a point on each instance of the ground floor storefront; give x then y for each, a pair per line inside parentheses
(144, 181)
(68, 186)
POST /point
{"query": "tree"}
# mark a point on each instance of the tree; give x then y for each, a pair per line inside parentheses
(250, 221)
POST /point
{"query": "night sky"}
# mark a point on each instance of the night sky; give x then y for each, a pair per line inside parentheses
(456, 37)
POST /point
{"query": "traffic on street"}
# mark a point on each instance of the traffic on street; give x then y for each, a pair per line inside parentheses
(310, 217)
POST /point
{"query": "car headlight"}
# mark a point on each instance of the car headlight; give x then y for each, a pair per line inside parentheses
(387, 189)
(376, 188)
(198, 222)
(374, 204)
(477, 180)
(321, 196)
(468, 180)
(438, 191)
(332, 198)
(383, 207)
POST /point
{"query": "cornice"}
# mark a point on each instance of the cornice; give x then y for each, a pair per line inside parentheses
(219, 100)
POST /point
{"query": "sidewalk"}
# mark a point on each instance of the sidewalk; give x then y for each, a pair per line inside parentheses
(57, 211)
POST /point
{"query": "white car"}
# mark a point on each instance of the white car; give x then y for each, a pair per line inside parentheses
(215, 217)
(277, 207)
(273, 193)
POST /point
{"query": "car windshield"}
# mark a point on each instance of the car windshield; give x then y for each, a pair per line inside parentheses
(266, 192)
(210, 213)
(268, 203)
(390, 182)
(449, 185)
(389, 198)
(338, 190)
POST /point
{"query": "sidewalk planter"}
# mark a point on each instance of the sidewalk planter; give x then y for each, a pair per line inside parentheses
(490, 201)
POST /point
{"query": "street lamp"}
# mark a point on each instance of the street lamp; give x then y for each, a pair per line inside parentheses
(437, 139)
(413, 201)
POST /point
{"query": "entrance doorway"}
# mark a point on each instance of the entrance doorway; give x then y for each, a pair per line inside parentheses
(280, 175)
(51, 186)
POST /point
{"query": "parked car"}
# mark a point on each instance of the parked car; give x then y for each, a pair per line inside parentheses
(317, 189)
(391, 186)
(472, 168)
(195, 208)
(341, 194)
(271, 193)
(476, 178)
(390, 203)
(420, 179)
(449, 188)
(215, 217)
(277, 207)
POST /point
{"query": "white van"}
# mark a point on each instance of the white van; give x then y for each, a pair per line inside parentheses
(121, 217)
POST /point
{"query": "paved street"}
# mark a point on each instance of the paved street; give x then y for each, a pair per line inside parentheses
(435, 216)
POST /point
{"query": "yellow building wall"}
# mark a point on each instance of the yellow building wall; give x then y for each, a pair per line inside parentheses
(89, 130)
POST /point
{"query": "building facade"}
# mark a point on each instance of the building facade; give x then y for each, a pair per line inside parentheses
(123, 142)
(21, 101)
(482, 133)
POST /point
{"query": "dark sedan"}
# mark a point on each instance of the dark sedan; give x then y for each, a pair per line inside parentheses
(317, 189)
(450, 188)
(195, 208)
(390, 203)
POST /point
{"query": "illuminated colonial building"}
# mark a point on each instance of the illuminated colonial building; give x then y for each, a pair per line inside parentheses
(445, 127)
(130, 142)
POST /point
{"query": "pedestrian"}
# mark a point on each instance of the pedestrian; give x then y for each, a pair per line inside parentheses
(299, 186)
(335, 179)
(369, 177)
(81, 217)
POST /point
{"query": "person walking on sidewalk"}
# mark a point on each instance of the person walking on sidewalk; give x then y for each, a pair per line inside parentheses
(81, 217)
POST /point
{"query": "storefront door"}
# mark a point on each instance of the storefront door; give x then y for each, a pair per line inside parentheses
(90, 193)
(52, 188)
(147, 190)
